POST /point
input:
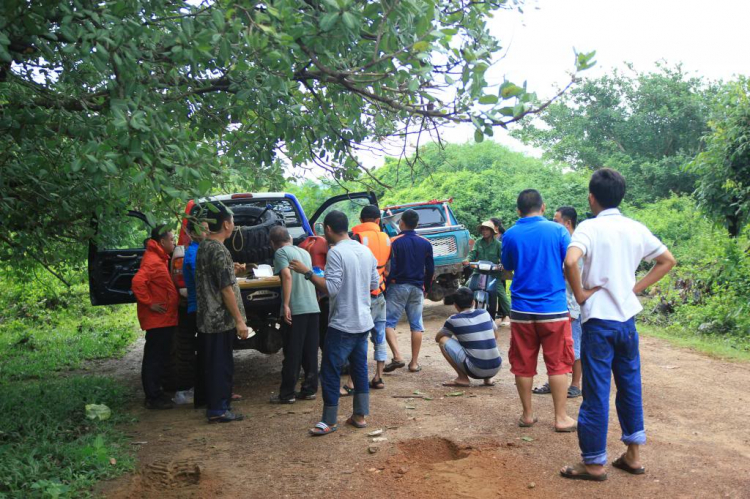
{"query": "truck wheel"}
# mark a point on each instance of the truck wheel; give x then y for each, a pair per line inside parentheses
(179, 373)
(437, 293)
(251, 243)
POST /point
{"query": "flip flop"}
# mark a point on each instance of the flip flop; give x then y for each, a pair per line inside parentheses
(419, 368)
(524, 424)
(620, 464)
(321, 429)
(278, 400)
(574, 392)
(349, 391)
(542, 390)
(236, 396)
(490, 384)
(457, 385)
(227, 417)
(377, 385)
(569, 429)
(579, 472)
(353, 423)
(393, 365)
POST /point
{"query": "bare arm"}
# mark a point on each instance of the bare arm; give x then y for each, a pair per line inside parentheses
(573, 275)
(286, 293)
(442, 333)
(664, 264)
(227, 295)
(318, 282)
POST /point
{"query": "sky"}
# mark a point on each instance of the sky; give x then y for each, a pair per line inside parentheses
(710, 39)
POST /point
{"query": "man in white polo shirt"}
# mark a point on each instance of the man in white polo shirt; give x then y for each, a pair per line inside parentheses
(612, 246)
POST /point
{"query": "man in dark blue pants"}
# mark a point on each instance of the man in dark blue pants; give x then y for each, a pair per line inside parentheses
(221, 315)
(351, 273)
(612, 246)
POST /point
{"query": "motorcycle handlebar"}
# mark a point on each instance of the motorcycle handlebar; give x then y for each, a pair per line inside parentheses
(486, 266)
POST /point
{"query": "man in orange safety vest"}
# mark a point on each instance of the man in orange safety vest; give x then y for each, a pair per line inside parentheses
(368, 233)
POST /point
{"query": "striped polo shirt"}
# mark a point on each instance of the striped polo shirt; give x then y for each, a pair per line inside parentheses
(475, 331)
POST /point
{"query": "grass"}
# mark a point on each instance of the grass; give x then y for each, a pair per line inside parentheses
(52, 330)
(728, 348)
(48, 448)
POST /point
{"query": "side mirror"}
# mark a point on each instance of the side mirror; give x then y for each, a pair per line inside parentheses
(318, 228)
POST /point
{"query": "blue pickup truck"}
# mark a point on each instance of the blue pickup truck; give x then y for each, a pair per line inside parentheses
(449, 239)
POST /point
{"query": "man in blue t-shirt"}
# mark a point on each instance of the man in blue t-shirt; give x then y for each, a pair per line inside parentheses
(468, 341)
(409, 279)
(535, 250)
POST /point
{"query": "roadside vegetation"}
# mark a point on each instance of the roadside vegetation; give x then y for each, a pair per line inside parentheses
(48, 447)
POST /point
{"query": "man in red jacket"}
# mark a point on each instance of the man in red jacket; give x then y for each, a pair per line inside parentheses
(157, 312)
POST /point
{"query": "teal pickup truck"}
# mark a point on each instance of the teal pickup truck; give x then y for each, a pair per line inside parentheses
(449, 239)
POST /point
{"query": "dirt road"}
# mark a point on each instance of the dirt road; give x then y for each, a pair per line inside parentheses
(697, 418)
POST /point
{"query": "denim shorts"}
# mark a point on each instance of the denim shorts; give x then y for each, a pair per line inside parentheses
(575, 325)
(400, 297)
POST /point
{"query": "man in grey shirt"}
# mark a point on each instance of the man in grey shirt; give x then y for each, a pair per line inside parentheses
(351, 273)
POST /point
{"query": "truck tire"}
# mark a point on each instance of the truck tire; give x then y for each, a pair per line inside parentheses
(251, 242)
(179, 373)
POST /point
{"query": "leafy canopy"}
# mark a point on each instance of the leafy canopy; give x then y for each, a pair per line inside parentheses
(647, 125)
(148, 103)
(724, 167)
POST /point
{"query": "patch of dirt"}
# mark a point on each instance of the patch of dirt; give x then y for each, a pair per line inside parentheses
(432, 450)
(696, 410)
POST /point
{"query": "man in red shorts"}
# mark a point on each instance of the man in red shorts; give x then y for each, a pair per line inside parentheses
(534, 248)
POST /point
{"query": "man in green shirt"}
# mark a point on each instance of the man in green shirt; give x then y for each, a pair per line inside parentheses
(301, 313)
(503, 302)
(487, 249)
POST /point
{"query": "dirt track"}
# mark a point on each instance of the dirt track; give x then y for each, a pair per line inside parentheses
(697, 418)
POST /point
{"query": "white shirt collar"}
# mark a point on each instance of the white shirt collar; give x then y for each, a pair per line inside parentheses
(609, 212)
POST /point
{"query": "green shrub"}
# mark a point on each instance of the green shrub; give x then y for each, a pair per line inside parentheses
(47, 446)
(709, 290)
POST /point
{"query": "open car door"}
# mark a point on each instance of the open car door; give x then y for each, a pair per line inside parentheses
(115, 256)
(351, 204)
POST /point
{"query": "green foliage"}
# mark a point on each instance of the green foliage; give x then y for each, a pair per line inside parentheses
(724, 166)
(48, 448)
(646, 125)
(484, 180)
(114, 105)
(709, 290)
(46, 327)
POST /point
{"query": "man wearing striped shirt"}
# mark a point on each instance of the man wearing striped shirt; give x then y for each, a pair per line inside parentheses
(468, 341)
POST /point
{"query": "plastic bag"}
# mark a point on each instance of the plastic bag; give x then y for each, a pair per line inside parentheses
(183, 397)
(98, 412)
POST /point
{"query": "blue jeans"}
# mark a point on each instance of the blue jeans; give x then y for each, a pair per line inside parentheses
(575, 329)
(609, 347)
(340, 346)
(377, 310)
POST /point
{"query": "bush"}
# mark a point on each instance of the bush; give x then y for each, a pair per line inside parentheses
(708, 291)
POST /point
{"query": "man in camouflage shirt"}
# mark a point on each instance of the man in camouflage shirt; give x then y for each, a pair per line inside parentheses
(221, 314)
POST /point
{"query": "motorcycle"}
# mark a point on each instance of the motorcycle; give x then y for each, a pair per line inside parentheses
(485, 281)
